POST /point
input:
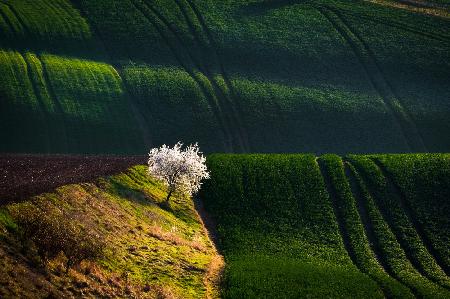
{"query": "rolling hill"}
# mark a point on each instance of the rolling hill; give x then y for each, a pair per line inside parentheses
(300, 226)
(148, 250)
(115, 77)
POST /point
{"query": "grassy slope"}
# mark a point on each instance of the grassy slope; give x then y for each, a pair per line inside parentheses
(166, 250)
(264, 76)
(330, 228)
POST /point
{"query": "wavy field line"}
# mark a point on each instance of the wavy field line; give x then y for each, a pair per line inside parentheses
(224, 94)
(237, 109)
(210, 96)
(8, 21)
(397, 258)
(358, 190)
(379, 82)
(400, 222)
(430, 251)
(337, 213)
(218, 93)
(43, 110)
(212, 102)
(18, 17)
(60, 111)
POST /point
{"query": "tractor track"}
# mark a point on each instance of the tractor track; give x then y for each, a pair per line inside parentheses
(237, 109)
(43, 111)
(219, 94)
(402, 236)
(409, 212)
(357, 191)
(334, 198)
(208, 96)
(58, 106)
(140, 118)
(377, 78)
(404, 254)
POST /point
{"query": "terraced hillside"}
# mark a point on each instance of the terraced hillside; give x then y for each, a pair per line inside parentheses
(89, 76)
(297, 226)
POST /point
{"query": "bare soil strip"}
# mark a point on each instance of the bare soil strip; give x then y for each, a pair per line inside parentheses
(22, 176)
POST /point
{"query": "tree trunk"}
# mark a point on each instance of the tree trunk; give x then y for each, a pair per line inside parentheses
(168, 195)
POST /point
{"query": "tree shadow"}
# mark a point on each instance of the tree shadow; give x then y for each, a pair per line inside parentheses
(262, 7)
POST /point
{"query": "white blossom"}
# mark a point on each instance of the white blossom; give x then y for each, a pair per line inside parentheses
(180, 170)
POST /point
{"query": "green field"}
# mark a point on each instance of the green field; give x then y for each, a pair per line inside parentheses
(295, 226)
(236, 76)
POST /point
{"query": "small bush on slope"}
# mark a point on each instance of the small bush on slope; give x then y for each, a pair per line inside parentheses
(53, 231)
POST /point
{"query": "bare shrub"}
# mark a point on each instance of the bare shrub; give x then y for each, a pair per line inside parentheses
(53, 231)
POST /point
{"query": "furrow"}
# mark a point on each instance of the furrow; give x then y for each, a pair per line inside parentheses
(237, 109)
(58, 106)
(7, 20)
(43, 110)
(359, 192)
(218, 93)
(392, 248)
(208, 96)
(412, 139)
(394, 100)
(337, 211)
(431, 257)
(18, 17)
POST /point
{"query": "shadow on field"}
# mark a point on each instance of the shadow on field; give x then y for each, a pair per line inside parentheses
(263, 6)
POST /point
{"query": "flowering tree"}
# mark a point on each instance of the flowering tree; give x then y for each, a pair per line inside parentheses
(180, 170)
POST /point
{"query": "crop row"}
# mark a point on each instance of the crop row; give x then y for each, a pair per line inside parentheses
(55, 104)
(278, 227)
(423, 181)
(294, 212)
(44, 25)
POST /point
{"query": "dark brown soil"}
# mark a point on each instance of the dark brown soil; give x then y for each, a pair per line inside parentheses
(22, 176)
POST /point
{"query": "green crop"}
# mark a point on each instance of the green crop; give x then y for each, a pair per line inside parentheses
(300, 226)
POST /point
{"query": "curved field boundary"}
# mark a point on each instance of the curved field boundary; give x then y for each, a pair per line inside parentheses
(413, 6)
(8, 21)
(219, 94)
(15, 28)
(18, 17)
(400, 221)
(430, 253)
(59, 109)
(43, 111)
(358, 244)
(397, 258)
(231, 94)
(371, 229)
(212, 101)
(377, 77)
(337, 210)
(429, 4)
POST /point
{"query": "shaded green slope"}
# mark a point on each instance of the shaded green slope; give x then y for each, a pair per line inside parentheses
(330, 227)
(252, 76)
(55, 104)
